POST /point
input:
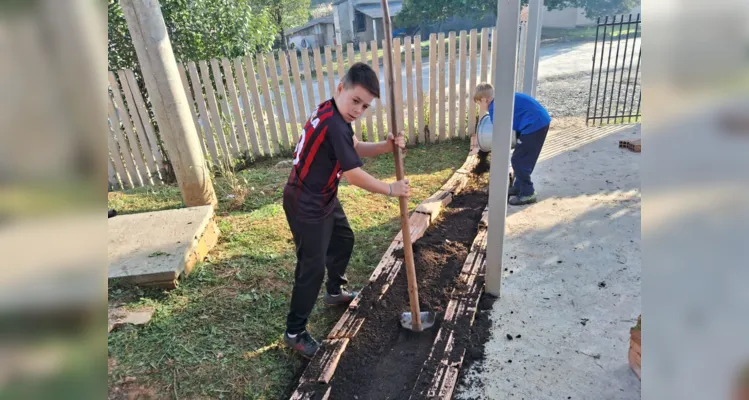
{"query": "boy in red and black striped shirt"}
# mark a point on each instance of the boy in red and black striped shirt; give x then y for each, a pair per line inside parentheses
(327, 150)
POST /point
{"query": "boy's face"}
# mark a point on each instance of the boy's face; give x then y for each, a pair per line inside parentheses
(484, 103)
(352, 102)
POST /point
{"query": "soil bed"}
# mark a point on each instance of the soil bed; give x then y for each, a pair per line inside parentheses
(383, 361)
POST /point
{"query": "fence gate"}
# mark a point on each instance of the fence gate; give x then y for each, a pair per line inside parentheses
(615, 91)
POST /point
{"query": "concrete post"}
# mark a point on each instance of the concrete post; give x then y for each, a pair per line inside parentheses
(535, 19)
(154, 50)
(506, 47)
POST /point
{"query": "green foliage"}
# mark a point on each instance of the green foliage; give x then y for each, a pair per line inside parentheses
(416, 12)
(198, 30)
(286, 14)
(594, 8)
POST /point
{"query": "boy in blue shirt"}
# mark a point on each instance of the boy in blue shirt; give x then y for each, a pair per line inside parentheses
(530, 122)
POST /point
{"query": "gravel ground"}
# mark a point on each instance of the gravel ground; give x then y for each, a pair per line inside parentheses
(564, 81)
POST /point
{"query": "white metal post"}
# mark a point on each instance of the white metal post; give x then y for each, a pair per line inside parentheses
(506, 47)
(535, 19)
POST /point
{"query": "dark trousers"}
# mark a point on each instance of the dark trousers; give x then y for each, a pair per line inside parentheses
(524, 159)
(327, 243)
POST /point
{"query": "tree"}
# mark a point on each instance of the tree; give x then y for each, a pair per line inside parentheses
(287, 14)
(417, 12)
(198, 30)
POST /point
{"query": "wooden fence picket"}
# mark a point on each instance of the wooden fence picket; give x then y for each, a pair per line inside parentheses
(378, 102)
(240, 131)
(472, 82)
(462, 83)
(419, 90)
(278, 99)
(249, 119)
(197, 88)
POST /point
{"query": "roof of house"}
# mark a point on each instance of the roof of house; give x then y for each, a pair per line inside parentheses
(328, 19)
(374, 10)
(369, 3)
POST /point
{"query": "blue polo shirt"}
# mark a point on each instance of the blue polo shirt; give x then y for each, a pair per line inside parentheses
(528, 116)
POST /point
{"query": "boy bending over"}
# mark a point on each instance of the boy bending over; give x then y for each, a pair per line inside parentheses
(530, 121)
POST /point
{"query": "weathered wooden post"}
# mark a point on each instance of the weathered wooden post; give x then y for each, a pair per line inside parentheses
(154, 50)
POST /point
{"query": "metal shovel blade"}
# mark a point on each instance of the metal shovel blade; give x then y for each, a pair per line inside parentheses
(427, 320)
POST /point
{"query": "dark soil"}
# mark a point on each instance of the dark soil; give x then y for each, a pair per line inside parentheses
(483, 165)
(477, 338)
(384, 360)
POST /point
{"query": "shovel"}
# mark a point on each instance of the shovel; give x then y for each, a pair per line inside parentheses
(415, 320)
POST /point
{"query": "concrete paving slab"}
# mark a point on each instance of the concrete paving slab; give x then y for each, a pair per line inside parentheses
(571, 284)
(155, 248)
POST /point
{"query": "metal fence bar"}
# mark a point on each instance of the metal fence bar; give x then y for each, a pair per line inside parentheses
(624, 63)
(620, 113)
(593, 68)
(637, 73)
(616, 64)
(629, 74)
(600, 66)
(608, 68)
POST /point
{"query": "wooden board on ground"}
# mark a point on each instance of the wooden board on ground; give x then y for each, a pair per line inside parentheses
(326, 360)
(418, 223)
(460, 312)
(155, 248)
(434, 204)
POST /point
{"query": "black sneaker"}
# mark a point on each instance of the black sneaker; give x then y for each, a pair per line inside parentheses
(342, 299)
(513, 191)
(522, 200)
(302, 343)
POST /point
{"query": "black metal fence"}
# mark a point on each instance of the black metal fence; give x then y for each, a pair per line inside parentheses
(615, 90)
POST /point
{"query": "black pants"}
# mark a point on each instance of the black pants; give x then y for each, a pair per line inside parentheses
(524, 159)
(327, 243)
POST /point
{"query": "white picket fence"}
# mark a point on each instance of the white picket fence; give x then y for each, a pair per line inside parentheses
(255, 106)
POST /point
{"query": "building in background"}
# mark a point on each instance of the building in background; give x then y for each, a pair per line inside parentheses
(318, 32)
(571, 17)
(361, 20)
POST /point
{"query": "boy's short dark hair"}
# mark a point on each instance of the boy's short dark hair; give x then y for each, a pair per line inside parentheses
(362, 75)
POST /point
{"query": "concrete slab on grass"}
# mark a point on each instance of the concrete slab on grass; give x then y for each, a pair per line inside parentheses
(155, 248)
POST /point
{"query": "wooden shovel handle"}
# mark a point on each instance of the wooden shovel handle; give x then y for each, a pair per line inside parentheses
(413, 289)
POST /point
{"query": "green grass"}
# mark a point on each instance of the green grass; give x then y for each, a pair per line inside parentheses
(585, 33)
(218, 334)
